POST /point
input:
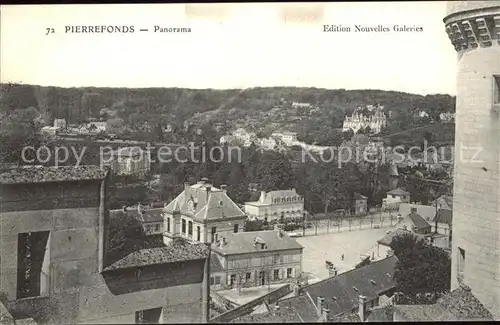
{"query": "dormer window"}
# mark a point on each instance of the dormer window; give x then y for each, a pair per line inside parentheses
(355, 289)
(262, 246)
(373, 282)
(388, 275)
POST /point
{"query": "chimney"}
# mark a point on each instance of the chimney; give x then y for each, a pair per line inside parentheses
(296, 290)
(186, 185)
(139, 208)
(319, 305)
(124, 209)
(223, 187)
(362, 308)
(209, 189)
(262, 196)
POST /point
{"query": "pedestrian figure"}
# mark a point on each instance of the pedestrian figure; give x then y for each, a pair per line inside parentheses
(342, 257)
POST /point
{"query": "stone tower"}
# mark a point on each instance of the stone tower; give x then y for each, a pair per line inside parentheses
(474, 30)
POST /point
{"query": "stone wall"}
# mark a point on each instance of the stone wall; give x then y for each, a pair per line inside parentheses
(476, 215)
(78, 292)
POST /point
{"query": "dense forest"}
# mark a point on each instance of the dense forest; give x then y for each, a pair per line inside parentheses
(24, 109)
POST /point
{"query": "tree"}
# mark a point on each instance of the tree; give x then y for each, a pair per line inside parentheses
(366, 261)
(241, 271)
(422, 272)
(126, 235)
(274, 172)
(18, 130)
(350, 223)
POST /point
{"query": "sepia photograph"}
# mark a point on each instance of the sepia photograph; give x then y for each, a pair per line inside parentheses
(250, 162)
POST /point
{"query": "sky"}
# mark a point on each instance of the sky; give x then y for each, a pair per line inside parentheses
(230, 46)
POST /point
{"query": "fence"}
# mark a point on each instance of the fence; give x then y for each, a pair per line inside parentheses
(270, 298)
(335, 225)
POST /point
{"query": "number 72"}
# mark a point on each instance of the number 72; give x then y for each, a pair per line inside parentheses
(49, 31)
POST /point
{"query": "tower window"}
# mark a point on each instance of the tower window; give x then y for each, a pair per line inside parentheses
(496, 90)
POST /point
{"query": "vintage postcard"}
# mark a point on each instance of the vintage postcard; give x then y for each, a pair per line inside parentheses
(250, 162)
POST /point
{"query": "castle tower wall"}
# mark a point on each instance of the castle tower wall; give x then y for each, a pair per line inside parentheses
(474, 30)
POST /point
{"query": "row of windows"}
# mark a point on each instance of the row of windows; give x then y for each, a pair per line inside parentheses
(153, 228)
(288, 199)
(276, 275)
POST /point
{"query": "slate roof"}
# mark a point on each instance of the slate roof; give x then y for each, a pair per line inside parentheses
(426, 211)
(215, 264)
(444, 216)
(418, 221)
(302, 306)
(341, 292)
(292, 310)
(398, 191)
(161, 255)
(243, 242)
(209, 203)
(42, 174)
(458, 305)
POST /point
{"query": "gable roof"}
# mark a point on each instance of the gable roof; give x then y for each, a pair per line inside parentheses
(302, 306)
(444, 216)
(243, 242)
(43, 174)
(341, 292)
(269, 197)
(209, 203)
(418, 221)
(445, 202)
(398, 191)
(425, 211)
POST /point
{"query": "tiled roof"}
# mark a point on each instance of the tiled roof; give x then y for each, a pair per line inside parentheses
(209, 203)
(341, 292)
(445, 202)
(302, 306)
(464, 305)
(398, 191)
(161, 255)
(425, 211)
(379, 314)
(243, 242)
(215, 264)
(41, 174)
(397, 232)
(275, 316)
(444, 216)
(458, 305)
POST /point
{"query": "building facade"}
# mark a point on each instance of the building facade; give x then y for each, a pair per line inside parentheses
(473, 28)
(128, 161)
(358, 120)
(202, 213)
(252, 259)
(360, 204)
(274, 205)
(394, 198)
(55, 266)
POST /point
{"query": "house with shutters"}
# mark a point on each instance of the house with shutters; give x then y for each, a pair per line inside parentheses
(202, 213)
(275, 205)
(259, 258)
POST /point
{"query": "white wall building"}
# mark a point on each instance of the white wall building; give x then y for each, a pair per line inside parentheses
(358, 121)
(272, 205)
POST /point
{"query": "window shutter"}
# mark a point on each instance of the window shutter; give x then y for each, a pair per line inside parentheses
(293, 272)
(280, 274)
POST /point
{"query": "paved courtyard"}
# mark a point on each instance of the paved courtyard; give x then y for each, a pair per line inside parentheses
(318, 249)
(248, 294)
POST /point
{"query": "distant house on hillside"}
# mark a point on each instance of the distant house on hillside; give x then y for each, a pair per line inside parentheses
(301, 105)
(360, 204)
(395, 197)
